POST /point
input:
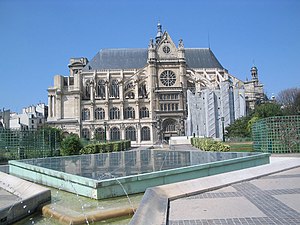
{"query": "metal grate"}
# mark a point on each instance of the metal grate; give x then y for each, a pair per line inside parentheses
(280, 134)
(17, 144)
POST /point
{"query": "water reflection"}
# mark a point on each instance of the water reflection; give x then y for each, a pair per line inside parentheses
(119, 164)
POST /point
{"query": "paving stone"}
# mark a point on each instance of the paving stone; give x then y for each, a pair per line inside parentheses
(270, 200)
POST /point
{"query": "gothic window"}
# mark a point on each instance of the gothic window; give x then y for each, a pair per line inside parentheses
(87, 89)
(129, 113)
(114, 89)
(99, 114)
(142, 91)
(129, 95)
(100, 134)
(85, 114)
(144, 112)
(85, 133)
(115, 134)
(101, 89)
(114, 113)
(130, 133)
(170, 125)
(128, 86)
(168, 78)
(145, 134)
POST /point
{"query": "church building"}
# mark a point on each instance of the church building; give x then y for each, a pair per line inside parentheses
(142, 94)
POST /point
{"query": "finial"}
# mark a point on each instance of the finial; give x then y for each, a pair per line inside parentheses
(151, 44)
(159, 32)
(180, 45)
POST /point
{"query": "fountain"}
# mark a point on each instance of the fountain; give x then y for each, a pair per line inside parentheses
(108, 175)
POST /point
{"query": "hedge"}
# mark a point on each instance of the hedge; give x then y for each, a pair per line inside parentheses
(208, 144)
(106, 147)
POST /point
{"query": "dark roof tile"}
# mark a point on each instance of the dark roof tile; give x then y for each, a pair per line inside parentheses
(137, 58)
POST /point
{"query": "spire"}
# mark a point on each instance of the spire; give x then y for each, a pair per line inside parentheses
(254, 73)
(159, 32)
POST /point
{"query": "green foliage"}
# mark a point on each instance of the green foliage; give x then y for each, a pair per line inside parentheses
(242, 127)
(207, 144)
(250, 123)
(239, 128)
(267, 110)
(71, 145)
(105, 147)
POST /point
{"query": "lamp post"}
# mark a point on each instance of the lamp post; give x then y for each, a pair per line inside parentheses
(223, 130)
(105, 124)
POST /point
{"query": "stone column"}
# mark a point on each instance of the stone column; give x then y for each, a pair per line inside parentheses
(122, 131)
(54, 106)
(59, 114)
(121, 110)
(50, 106)
(92, 113)
(137, 110)
(92, 91)
(138, 133)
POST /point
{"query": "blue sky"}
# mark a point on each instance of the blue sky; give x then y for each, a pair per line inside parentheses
(38, 38)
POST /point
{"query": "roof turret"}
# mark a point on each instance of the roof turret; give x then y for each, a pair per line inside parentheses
(159, 33)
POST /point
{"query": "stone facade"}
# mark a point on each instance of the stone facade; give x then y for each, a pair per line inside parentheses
(211, 110)
(137, 94)
(32, 117)
(254, 91)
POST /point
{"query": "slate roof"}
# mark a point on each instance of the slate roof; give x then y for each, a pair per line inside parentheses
(137, 58)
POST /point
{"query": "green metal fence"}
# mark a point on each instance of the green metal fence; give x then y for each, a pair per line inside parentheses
(16, 144)
(280, 134)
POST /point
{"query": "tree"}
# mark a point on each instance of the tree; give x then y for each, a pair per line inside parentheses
(267, 110)
(71, 145)
(289, 99)
(238, 128)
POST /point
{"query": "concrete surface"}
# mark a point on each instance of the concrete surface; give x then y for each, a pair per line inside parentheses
(259, 195)
(19, 198)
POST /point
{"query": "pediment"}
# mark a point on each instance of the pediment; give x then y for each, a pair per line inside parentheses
(166, 49)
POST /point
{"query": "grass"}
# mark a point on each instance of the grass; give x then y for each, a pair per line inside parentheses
(240, 146)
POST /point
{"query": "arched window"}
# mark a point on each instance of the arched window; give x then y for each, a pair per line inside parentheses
(115, 134)
(99, 114)
(87, 89)
(114, 113)
(100, 134)
(144, 112)
(169, 125)
(128, 86)
(129, 113)
(85, 114)
(129, 95)
(101, 89)
(143, 91)
(85, 133)
(130, 133)
(145, 134)
(114, 89)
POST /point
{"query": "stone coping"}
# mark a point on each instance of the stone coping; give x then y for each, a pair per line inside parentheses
(133, 183)
(29, 197)
(154, 206)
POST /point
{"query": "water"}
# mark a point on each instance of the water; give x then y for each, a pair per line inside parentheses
(113, 165)
(82, 205)
(121, 164)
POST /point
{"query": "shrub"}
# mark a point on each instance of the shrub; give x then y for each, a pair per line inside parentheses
(207, 144)
(70, 145)
(105, 147)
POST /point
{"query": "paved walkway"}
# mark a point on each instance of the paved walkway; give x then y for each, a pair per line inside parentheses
(273, 199)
